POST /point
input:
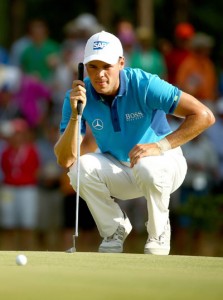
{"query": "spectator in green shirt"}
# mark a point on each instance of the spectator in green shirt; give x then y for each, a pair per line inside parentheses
(145, 56)
(41, 56)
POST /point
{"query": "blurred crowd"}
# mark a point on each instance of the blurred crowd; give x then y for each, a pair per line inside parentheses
(37, 203)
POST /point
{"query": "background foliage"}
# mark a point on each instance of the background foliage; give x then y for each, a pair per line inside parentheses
(205, 15)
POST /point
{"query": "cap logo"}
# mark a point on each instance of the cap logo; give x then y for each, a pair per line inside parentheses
(99, 45)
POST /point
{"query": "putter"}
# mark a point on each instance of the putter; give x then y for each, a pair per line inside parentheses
(79, 114)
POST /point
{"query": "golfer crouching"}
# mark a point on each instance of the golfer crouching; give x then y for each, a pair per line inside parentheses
(139, 155)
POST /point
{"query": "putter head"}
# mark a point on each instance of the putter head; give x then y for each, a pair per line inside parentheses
(71, 250)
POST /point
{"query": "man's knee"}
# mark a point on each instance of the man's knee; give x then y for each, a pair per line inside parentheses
(89, 163)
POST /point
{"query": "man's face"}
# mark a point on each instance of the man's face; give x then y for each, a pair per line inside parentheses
(105, 77)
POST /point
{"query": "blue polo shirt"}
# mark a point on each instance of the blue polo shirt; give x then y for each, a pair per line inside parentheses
(137, 114)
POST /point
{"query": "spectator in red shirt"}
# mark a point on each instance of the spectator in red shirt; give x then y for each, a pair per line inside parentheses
(19, 191)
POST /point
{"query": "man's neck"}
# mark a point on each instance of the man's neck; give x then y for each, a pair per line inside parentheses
(107, 98)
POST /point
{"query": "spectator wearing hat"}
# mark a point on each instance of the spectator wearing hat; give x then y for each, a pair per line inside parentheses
(197, 74)
(77, 31)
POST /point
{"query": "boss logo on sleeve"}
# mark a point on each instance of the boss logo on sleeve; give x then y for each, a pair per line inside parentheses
(99, 45)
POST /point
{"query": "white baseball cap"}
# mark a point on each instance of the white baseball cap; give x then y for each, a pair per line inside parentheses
(103, 46)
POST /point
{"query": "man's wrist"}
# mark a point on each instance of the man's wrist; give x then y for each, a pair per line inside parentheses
(74, 118)
(164, 145)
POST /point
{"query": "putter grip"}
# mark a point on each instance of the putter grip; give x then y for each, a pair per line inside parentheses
(80, 77)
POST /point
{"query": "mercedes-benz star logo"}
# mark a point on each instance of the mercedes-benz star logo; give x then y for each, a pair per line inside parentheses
(97, 124)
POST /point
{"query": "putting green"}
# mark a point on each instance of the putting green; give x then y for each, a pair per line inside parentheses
(94, 276)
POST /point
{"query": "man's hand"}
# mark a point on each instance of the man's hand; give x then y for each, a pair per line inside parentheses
(78, 93)
(142, 150)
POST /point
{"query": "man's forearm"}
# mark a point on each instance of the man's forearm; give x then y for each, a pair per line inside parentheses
(191, 127)
(66, 147)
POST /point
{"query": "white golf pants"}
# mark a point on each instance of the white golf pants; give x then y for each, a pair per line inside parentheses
(103, 178)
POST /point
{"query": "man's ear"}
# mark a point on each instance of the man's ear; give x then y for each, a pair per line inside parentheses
(121, 62)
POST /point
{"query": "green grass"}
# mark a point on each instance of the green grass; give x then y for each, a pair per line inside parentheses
(94, 276)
